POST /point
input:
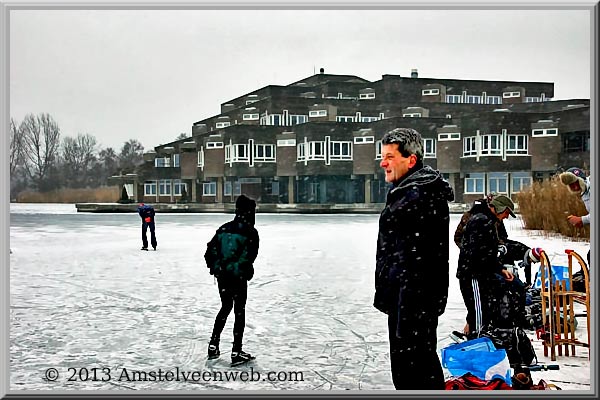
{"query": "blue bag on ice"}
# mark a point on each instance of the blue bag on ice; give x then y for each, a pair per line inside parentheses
(559, 273)
(479, 357)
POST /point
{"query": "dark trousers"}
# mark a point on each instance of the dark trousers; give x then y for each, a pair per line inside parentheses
(233, 296)
(493, 301)
(415, 364)
(477, 299)
(145, 226)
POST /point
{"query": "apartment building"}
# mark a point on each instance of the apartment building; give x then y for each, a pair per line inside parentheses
(318, 140)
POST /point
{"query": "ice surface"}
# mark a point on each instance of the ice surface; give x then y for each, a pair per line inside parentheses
(83, 295)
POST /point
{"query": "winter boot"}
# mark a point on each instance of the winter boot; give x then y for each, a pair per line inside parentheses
(213, 351)
(144, 248)
(240, 357)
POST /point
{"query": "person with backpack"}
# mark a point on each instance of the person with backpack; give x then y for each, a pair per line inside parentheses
(146, 213)
(230, 255)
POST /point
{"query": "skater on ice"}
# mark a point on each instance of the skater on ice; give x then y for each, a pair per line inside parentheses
(146, 213)
(230, 256)
(412, 268)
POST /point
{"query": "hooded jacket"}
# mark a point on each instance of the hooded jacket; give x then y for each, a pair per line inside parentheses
(412, 269)
(146, 211)
(478, 256)
(231, 252)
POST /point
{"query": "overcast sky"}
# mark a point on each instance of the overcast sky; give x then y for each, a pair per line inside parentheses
(150, 74)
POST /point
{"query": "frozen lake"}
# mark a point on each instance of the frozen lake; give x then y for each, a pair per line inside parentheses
(85, 300)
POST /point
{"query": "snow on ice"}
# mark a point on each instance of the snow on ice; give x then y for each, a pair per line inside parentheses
(83, 296)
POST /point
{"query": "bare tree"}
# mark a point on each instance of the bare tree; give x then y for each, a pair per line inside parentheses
(109, 160)
(41, 136)
(16, 146)
(79, 156)
(182, 135)
(132, 155)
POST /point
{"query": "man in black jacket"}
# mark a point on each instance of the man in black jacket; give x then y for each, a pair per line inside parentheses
(411, 274)
(230, 256)
(482, 276)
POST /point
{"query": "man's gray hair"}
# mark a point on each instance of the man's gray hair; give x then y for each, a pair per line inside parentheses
(409, 141)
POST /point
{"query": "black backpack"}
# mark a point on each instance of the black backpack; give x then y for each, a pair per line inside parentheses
(516, 343)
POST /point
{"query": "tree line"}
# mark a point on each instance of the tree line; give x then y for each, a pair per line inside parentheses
(42, 160)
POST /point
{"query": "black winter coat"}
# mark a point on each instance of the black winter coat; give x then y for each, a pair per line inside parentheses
(231, 252)
(478, 256)
(412, 269)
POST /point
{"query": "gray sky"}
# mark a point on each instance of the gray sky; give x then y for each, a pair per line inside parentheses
(150, 74)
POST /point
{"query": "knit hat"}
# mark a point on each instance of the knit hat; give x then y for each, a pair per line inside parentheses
(571, 176)
(501, 203)
(244, 204)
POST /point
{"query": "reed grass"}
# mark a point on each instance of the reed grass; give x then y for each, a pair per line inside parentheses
(105, 194)
(546, 205)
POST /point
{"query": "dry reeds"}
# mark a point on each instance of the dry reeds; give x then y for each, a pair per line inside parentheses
(546, 205)
(106, 194)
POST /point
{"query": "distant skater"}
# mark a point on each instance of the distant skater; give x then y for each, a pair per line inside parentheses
(147, 215)
(230, 256)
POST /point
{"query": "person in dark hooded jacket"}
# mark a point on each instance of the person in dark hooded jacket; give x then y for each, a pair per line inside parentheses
(412, 269)
(230, 256)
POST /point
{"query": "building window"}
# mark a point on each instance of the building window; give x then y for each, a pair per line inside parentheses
(471, 99)
(201, 158)
(498, 182)
(220, 125)
(516, 144)
(286, 142)
(251, 101)
(430, 92)
(150, 188)
(474, 183)
(175, 160)
(544, 132)
(364, 96)
(301, 152)
(469, 146)
(415, 115)
(491, 145)
(275, 119)
(343, 118)
(378, 149)
(364, 139)
(228, 186)
(316, 150)
(453, 98)
(209, 189)
(340, 150)
(507, 95)
(264, 152)
(236, 153)
(575, 142)
(214, 145)
(164, 187)
(533, 99)
(429, 147)
(369, 119)
(520, 181)
(298, 119)
(250, 117)
(448, 136)
(162, 162)
(178, 187)
(493, 100)
(317, 113)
